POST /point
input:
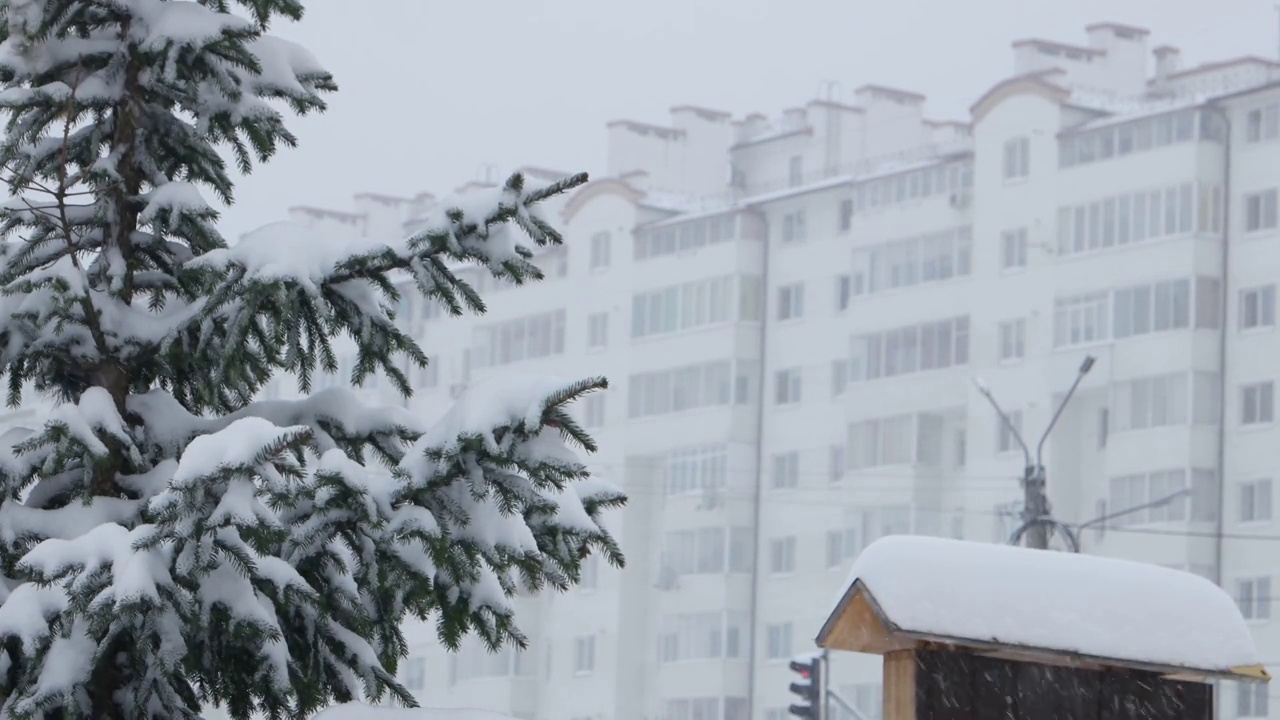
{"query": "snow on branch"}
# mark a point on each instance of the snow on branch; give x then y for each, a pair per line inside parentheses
(474, 230)
(165, 540)
(283, 287)
(500, 473)
(267, 526)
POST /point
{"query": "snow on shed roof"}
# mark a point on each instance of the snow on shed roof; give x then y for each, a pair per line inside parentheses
(1102, 610)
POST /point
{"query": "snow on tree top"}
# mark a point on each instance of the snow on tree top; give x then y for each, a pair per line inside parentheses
(1067, 603)
(182, 23)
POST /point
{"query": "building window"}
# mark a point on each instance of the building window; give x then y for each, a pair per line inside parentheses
(1258, 307)
(697, 708)
(696, 469)
(597, 330)
(593, 410)
(474, 661)
(843, 291)
(429, 376)
(835, 463)
(1262, 124)
(887, 441)
(1257, 403)
(555, 263)
(839, 377)
(1137, 136)
(786, 470)
(779, 646)
(898, 440)
(701, 636)
(1166, 494)
(782, 555)
(940, 179)
(1013, 340)
(414, 675)
(526, 338)
(1260, 210)
(1152, 308)
(1150, 402)
(1006, 441)
(1252, 700)
(1253, 595)
(1139, 216)
(846, 214)
(911, 349)
(707, 551)
(404, 307)
(1013, 249)
(601, 250)
(842, 545)
(683, 307)
(688, 235)
(915, 260)
(584, 655)
(1255, 501)
(793, 227)
(589, 573)
(791, 301)
(795, 171)
(786, 386)
(677, 389)
(1080, 319)
(751, 298)
(867, 699)
(1017, 158)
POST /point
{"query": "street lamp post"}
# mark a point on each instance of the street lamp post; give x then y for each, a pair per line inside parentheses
(1037, 521)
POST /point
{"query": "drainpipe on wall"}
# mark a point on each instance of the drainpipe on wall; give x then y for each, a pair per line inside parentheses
(1222, 342)
(753, 611)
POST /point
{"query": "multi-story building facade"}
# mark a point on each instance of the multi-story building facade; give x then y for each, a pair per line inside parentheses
(791, 313)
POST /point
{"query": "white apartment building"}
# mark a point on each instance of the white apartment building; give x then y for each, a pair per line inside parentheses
(790, 313)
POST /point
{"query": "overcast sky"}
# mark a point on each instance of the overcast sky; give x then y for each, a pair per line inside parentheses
(432, 90)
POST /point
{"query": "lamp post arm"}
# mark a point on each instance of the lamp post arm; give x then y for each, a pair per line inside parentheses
(1005, 421)
(1084, 370)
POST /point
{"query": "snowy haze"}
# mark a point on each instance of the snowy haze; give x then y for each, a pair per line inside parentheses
(803, 335)
(434, 90)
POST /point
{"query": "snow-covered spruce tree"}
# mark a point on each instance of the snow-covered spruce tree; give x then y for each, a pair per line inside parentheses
(165, 541)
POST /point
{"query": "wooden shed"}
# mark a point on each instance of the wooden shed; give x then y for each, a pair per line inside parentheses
(971, 630)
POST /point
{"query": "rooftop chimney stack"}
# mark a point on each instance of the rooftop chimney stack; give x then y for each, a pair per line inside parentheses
(794, 118)
(1168, 62)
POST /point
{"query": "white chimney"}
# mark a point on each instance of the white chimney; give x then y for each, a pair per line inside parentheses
(794, 118)
(750, 126)
(1168, 62)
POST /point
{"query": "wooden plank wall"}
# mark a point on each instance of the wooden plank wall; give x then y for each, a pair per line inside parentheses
(961, 686)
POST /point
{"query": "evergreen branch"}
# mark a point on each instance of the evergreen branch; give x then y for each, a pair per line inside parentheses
(452, 240)
(183, 543)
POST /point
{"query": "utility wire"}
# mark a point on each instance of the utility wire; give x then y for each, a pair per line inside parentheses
(781, 500)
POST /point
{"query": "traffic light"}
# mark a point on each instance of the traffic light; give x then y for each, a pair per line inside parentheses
(808, 687)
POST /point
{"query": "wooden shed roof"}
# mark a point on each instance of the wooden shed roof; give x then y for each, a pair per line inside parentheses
(1040, 606)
